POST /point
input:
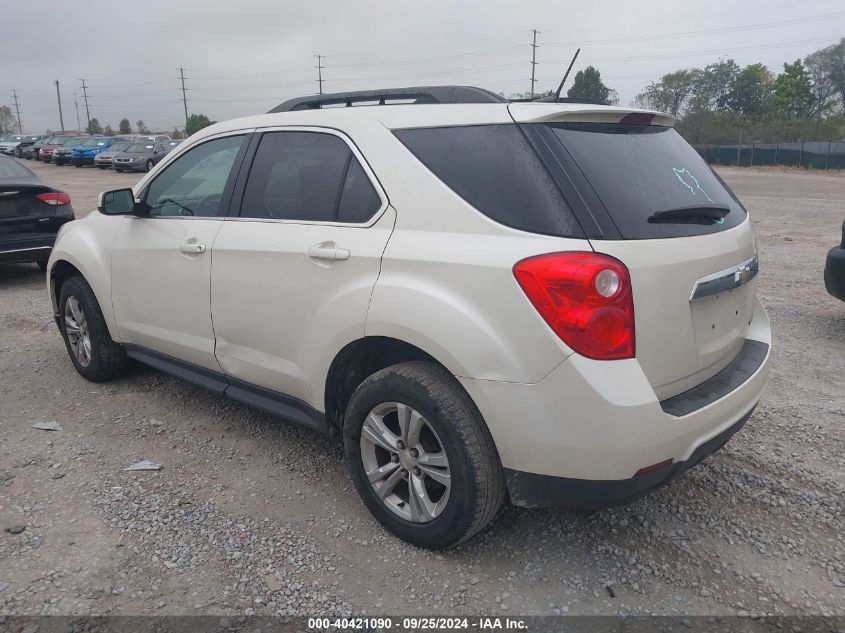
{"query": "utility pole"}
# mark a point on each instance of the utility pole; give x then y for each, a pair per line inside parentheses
(184, 96)
(76, 103)
(59, 98)
(18, 110)
(85, 96)
(533, 59)
(319, 68)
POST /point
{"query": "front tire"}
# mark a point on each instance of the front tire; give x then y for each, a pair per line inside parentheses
(150, 165)
(421, 456)
(91, 349)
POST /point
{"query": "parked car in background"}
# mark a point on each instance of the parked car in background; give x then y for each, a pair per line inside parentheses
(8, 143)
(834, 269)
(31, 214)
(85, 153)
(139, 157)
(30, 152)
(557, 304)
(26, 142)
(152, 138)
(103, 160)
(62, 154)
(171, 144)
(45, 154)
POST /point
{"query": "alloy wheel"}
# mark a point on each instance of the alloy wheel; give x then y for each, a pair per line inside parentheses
(76, 328)
(405, 462)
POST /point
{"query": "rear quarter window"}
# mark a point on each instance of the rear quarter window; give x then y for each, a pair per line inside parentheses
(494, 169)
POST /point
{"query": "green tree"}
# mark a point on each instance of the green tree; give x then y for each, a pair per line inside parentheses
(826, 67)
(196, 122)
(751, 91)
(713, 85)
(108, 131)
(792, 91)
(94, 127)
(671, 94)
(176, 134)
(588, 85)
(142, 128)
(123, 127)
(8, 122)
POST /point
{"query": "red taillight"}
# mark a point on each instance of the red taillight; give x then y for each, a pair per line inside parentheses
(55, 198)
(585, 298)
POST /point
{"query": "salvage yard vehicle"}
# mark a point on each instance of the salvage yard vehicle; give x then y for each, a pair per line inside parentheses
(834, 269)
(62, 154)
(550, 301)
(27, 141)
(31, 213)
(85, 153)
(104, 159)
(31, 151)
(141, 156)
(8, 142)
(50, 145)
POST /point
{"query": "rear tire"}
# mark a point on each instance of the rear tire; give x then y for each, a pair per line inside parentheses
(91, 349)
(451, 442)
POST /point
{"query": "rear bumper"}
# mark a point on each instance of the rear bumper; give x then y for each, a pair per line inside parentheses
(834, 273)
(531, 490)
(595, 424)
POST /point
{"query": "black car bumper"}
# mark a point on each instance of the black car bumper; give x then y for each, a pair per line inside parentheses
(532, 490)
(834, 273)
(82, 160)
(129, 166)
(61, 159)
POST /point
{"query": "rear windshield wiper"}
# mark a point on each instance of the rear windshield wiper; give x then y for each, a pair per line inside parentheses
(690, 215)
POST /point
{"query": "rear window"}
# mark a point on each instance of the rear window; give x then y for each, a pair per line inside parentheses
(652, 182)
(494, 169)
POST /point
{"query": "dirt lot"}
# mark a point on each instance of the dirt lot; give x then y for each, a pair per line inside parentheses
(250, 515)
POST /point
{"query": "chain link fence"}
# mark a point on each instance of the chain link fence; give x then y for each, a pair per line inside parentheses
(809, 154)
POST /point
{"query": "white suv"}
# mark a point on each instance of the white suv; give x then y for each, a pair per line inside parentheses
(550, 301)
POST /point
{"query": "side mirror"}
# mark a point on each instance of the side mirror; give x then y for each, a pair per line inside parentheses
(117, 202)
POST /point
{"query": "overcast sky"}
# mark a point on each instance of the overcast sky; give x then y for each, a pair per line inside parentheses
(246, 56)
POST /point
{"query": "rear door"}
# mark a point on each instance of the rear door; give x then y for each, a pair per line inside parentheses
(686, 240)
(293, 273)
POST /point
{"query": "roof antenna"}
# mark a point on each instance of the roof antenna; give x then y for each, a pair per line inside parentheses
(563, 81)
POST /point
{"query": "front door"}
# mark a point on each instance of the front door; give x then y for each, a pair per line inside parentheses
(161, 263)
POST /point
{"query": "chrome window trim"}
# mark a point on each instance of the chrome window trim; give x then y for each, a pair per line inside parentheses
(724, 280)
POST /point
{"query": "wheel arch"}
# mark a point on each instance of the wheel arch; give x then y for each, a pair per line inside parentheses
(359, 359)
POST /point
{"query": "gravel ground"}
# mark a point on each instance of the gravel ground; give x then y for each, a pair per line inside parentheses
(249, 515)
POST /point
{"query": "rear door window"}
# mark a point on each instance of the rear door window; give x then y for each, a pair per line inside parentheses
(651, 181)
(308, 177)
(495, 169)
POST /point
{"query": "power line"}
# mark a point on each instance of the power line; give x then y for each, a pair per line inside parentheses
(76, 103)
(727, 29)
(533, 59)
(693, 53)
(319, 68)
(18, 110)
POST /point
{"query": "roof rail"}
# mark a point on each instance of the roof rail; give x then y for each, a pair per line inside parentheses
(418, 94)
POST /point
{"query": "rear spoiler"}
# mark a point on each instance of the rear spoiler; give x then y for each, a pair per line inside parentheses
(538, 112)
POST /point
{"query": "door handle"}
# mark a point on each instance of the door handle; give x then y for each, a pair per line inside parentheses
(191, 247)
(328, 251)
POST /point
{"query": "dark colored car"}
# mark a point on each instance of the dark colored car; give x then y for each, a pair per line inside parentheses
(834, 269)
(103, 160)
(63, 153)
(140, 156)
(31, 214)
(32, 151)
(27, 141)
(45, 154)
